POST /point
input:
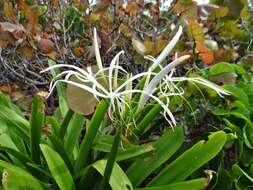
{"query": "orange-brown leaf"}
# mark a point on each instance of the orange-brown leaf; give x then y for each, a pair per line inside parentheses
(78, 51)
(5, 88)
(223, 55)
(26, 52)
(33, 20)
(53, 54)
(195, 31)
(106, 1)
(11, 32)
(132, 8)
(124, 29)
(3, 43)
(8, 10)
(206, 55)
(23, 7)
(45, 45)
(54, 2)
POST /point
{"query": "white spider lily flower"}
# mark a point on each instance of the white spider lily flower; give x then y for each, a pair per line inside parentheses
(156, 62)
(160, 88)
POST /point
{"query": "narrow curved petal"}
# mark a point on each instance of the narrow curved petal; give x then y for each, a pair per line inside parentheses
(112, 67)
(167, 49)
(97, 54)
(159, 76)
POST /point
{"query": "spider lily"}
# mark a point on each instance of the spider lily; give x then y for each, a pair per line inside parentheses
(158, 85)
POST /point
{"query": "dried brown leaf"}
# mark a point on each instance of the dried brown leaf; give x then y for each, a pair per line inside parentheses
(9, 11)
(26, 52)
(45, 45)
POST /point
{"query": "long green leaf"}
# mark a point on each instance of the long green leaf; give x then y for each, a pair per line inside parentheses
(126, 152)
(59, 148)
(21, 157)
(195, 184)
(17, 178)
(36, 124)
(191, 160)
(118, 180)
(11, 117)
(65, 123)
(165, 147)
(5, 101)
(38, 171)
(6, 141)
(239, 171)
(142, 126)
(90, 135)
(58, 168)
(111, 160)
(53, 122)
(73, 132)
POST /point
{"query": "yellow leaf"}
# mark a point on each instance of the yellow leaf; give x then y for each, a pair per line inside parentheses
(95, 17)
(3, 43)
(218, 13)
(195, 31)
(230, 30)
(187, 8)
(78, 51)
(155, 47)
(124, 29)
(132, 8)
(26, 52)
(45, 45)
(8, 10)
(139, 46)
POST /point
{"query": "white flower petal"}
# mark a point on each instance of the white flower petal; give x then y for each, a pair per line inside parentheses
(97, 54)
(167, 49)
(148, 89)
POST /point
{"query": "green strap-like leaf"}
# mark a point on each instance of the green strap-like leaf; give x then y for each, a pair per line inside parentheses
(104, 144)
(192, 159)
(36, 124)
(73, 132)
(59, 148)
(118, 180)
(17, 178)
(57, 168)
(195, 184)
(11, 117)
(165, 147)
(65, 123)
(90, 135)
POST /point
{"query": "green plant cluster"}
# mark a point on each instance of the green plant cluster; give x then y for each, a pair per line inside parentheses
(93, 148)
(46, 152)
(236, 114)
(232, 115)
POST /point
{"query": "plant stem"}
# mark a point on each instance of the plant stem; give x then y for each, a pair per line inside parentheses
(111, 160)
